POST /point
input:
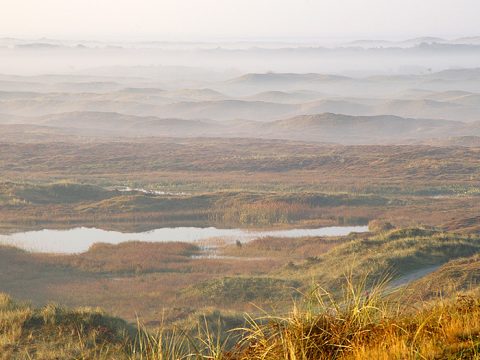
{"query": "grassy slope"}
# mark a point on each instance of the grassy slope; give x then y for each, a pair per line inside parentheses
(456, 275)
(54, 332)
(358, 327)
(361, 328)
(395, 253)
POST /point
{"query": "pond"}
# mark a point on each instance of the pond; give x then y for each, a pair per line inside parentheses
(79, 239)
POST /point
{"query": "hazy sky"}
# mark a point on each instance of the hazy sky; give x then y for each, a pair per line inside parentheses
(216, 19)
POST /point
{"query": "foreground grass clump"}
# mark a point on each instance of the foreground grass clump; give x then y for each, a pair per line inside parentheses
(319, 328)
(447, 330)
(54, 332)
(364, 324)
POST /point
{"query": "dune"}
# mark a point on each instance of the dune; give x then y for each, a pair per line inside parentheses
(228, 110)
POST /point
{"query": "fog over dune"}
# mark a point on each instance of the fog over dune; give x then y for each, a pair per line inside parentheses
(324, 127)
(188, 63)
(420, 89)
(233, 179)
(452, 94)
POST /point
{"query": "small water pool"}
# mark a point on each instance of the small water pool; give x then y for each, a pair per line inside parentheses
(79, 239)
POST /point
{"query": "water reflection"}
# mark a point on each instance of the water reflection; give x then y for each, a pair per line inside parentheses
(80, 239)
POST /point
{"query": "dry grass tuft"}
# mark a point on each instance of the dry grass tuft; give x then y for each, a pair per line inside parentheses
(363, 324)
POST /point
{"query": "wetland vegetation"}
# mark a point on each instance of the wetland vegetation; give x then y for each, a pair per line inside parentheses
(287, 201)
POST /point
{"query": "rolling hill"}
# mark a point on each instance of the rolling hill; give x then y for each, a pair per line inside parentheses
(322, 127)
(363, 129)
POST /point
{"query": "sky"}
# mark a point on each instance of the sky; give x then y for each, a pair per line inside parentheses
(237, 19)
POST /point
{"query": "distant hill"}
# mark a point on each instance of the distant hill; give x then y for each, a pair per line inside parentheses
(121, 124)
(342, 121)
(282, 78)
(362, 129)
(229, 110)
(12, 119)
(335, 106)
(89, 119)
(472, 74)
(377, 85)
(323, 127)
(468, 141)
(473, 40)
(451, 95)
(418, 107)
(293, 97)
(195, 95)
(286, 82)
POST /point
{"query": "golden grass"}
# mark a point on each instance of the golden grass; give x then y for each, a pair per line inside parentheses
(362, 324)
(54, 332)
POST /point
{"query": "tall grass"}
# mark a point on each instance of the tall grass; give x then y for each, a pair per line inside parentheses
(320, 326)
(177, 344)
(366, 322)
